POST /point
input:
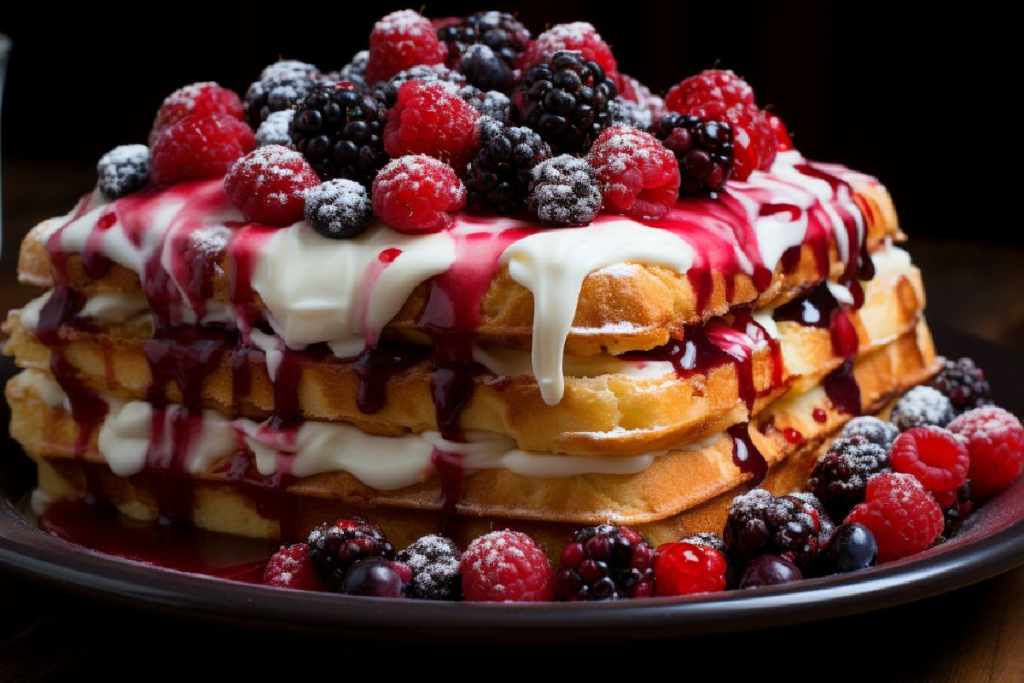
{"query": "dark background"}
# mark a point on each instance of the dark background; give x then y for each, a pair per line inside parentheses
(921, 95)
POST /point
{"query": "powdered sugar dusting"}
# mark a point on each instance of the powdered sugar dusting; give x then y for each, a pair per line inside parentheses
(275, 130)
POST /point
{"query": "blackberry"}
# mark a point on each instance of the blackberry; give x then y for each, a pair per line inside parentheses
(340, 131)
(564, 191)
(626, 113)
(355, 71)
(566, 101)
(499, 31)
(484, 69)
(707, 540)
(499, 177)
(840, 477)
(339, 209)
(275, 130)
(605, 563)
(874, 430)
(704, 150)
(333, 548)
(281, 86)
(434, 561)
(760, 524)
(824, 520)
(921, 407)
(433, 73)
(492, 103)
(123, 170)
(964, 384)
(957, 513)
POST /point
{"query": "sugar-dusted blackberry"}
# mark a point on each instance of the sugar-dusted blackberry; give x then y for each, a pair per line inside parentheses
(956, 513)
(339, 209)
(626, 113)
(760, 524)
(433, 73)
(498, 178)
(824, 520)
(706, 539)
(566, 101)
(499, 31)
(340, 131)
(492, 103)
(485, 69)
(434, 561)
(355, 71)
(964, 384)
(281, 86)
(564, 191)
(276, 129)
(922, 407)
(605, 563)
(874, 430)
(840, 477)
(123, 170)
(704, 150)
(333, 548)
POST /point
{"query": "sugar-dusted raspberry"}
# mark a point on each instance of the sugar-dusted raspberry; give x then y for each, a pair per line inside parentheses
(632, 90)
(290, 567)
(198, 99)
(840, 477)
(711, 85)
(605, 562)
(934, 456)
(401, 40)
(431, 119)
(921, 407)
(506, 566)
(781, 132)
(904, 518)
(199, 147)
(759, 523)
(995, 442)
(687, 568)
(874, 430)
(434, 563)
(564, 191)
(753, 139)
(123, 170)
(339, 209)
(414, 194)
(334, 548)
(578, 36)
(964, 384)
(269, 185)
(704, 150)
(638, 176)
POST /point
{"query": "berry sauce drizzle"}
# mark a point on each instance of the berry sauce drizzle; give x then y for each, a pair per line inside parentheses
(819, 308)
(746, 456)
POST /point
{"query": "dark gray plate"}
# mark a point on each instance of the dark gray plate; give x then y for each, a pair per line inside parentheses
(991, 543)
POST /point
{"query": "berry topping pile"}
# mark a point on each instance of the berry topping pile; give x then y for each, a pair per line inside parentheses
(606, 563)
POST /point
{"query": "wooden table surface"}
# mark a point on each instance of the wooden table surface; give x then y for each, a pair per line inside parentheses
(973, 634)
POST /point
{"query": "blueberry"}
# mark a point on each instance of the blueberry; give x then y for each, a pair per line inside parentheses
(851, 547)
(769, 570)
(375, 577)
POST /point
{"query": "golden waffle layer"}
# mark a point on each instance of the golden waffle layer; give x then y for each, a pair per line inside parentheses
(681, 492)
(606, 414)
(638, 309)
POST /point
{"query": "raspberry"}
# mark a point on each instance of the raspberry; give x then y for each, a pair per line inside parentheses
(781, 134)
(904, 518)
(281, 86)
(933, 456)
(566, 101)
(340, 131)
(198, 99)
(921, 407)
(499, 177)
(564, 191)
(687, 568)
(753, 139)
(430, 119)
(605, 563)
(634, 91)
(434, 562)
(712, 85)
(840, 477)
(123, 170)
(500, 32)
(703, 149)
(290, 567)
(339, 209)
(506, 566)
(578, 36)
(964, 384)
(401, 40)
(758, 523)
(269, 185)
(638, 176)
(707, 539)
(874, 430)
(333, 548)
(995, 442)
(414, 194)
(199, 147)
